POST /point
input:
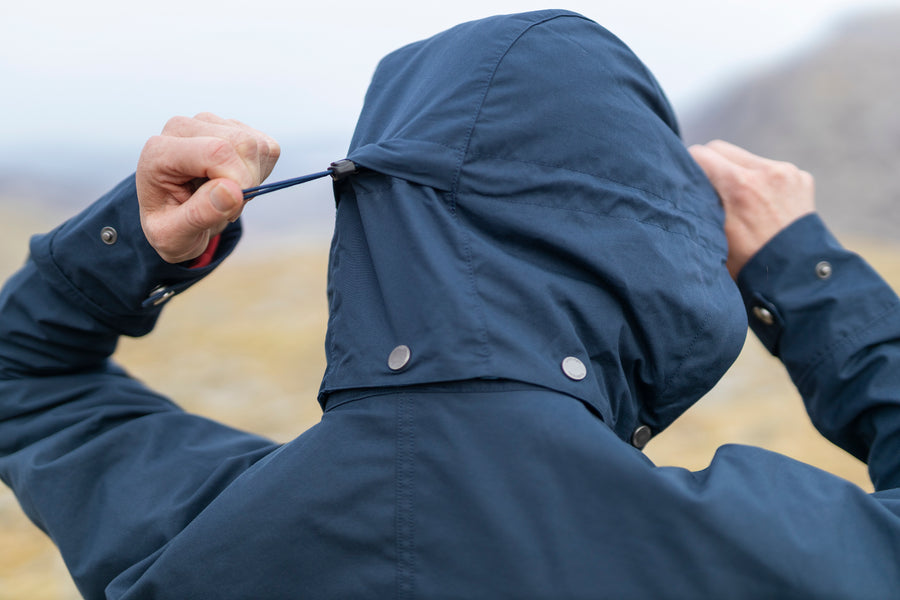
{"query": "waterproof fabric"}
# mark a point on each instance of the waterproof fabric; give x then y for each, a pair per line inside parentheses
(532, 202)
(510, 482)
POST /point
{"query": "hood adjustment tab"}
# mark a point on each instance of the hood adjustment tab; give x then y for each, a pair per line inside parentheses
(342, 169)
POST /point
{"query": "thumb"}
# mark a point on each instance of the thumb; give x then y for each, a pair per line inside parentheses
(183, 232)
(213, 205)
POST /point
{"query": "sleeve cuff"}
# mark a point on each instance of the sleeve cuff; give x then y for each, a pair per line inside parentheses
(804, 293)
(205, 259)
(103, 262)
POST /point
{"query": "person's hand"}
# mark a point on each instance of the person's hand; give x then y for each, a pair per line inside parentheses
(189, 181)
(760, 196)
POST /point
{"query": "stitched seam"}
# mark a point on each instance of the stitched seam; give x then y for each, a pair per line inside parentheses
(405, 524)
(700, 244)
(473, 282)
(487, 89)
(664, 414)
(601, 178)
(424, 141)
(454, 186)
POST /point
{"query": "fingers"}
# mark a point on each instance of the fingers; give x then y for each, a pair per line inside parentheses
(189, 180)
(175, 161)
(180, 232)
(718, 168)
(760, 196)
(256, 150)
(740, 176)
(210, 118)
(737, 154)
(215, 201)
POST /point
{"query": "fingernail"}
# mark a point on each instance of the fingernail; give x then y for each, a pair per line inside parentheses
(221, 199)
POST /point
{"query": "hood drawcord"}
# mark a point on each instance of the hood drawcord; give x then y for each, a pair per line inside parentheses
(338, 170)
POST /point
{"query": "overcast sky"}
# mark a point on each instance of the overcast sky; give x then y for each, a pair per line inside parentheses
(109, 73)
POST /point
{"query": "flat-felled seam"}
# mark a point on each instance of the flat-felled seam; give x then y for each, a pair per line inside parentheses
(473, 283)
(715, 251)
(416, 139)
(818, 359)
(454, 188)
(700, 331)
(490, 82)
(601, 178)
(405, 522)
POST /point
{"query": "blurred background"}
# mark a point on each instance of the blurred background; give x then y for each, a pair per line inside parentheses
(85, 84)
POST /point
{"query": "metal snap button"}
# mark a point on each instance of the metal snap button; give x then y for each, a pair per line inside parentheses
(164, 295)
(574, 368)
(399, 357)
(109, 235)
(824, 270)
(764, 315)
(641, 436)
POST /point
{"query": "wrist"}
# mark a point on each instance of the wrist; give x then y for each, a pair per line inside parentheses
(102, 262)
(206, 258)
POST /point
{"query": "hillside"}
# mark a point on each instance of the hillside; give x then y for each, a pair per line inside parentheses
(832, 110)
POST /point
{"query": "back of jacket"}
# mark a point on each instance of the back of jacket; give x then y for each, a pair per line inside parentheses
(527, 273)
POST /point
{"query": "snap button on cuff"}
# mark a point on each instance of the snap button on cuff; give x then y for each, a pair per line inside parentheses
(574, 368)
(764, 315)
(161, 294)
(399, 358)
(109, 235)
(641, 436)
(824, 270)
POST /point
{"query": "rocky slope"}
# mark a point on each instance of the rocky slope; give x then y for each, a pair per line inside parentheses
(832, 110)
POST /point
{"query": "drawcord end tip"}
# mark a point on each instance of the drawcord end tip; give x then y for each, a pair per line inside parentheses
(342, 168)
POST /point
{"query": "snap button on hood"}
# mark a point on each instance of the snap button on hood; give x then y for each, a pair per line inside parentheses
(399, 358)
(574, 368)
(523, 194)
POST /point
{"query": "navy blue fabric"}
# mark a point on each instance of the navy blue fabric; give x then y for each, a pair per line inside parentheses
(527, 199)
(531, 201)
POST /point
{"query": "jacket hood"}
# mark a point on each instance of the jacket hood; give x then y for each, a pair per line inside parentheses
(525, 201)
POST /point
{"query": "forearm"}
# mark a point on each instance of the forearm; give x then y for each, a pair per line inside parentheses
(88, 281)
(108, 468)
(836, 326)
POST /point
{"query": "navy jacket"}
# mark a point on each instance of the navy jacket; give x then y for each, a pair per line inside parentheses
(526, 283)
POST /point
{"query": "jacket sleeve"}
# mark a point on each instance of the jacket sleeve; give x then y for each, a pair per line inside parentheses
(835, 324)
(756, 524)
(107, 468)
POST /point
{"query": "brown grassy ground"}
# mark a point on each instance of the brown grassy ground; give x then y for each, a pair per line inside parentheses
(245, 347)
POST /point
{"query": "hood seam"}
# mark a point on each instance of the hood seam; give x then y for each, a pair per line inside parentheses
(664, 412)
(454, 186)
(703, 246)
(664, 199)
(490, 82)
